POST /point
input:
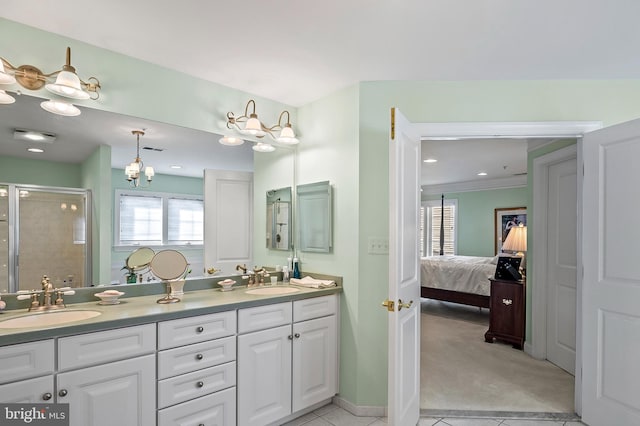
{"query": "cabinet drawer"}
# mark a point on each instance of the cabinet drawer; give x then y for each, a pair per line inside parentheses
(106, 346)
(215, 409)
(315, 307)
(196, 329)
(193, 385)
(26, 360)
(186, 359)
(262, 317)
(34, 391)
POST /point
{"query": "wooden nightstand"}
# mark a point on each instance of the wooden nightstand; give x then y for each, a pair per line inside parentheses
(506, 315)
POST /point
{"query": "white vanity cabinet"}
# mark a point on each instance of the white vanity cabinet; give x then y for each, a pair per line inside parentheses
(26, 372)
(287, 358)
(108, 377)
(197, 370)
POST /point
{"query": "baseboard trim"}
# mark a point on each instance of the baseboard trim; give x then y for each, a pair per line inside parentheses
(360, 410)
(499, 414)
(528, 349)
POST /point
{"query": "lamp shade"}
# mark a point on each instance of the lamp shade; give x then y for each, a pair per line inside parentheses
(67, 84)
(287, 136)
(60, 108)
(263, 147)
(5, 78)
(253, 126)
(516, 239)
(5, 98)
(231, 141)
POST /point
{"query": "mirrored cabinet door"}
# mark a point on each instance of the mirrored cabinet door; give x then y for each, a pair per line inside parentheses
(279, 219)
(314, 217)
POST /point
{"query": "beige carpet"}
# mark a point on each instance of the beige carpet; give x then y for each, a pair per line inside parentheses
(460, 371)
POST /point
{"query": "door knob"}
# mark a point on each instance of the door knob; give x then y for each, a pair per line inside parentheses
(404, 305)
(390, 305)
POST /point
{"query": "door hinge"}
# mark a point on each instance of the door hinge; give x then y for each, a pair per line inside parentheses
(393, 124)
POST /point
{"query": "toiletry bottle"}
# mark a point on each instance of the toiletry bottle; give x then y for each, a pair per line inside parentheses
(285, 274)
(290, 263)
(296, 268)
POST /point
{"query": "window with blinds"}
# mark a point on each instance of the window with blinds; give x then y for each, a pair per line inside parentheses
(158, 219)
(431, 220)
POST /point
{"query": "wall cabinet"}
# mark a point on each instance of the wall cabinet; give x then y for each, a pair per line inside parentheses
(290, 365)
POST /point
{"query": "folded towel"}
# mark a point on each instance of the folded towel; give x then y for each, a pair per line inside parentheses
(312, 282)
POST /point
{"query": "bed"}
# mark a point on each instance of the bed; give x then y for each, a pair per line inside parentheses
(458, 279)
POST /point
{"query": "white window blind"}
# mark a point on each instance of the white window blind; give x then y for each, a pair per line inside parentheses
(140, 219)
(431, 222)
(185, 221)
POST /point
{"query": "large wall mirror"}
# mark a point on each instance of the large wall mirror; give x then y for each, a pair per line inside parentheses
(177, 154)
(279, 223)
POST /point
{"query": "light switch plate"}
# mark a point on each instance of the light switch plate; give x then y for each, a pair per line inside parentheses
(378, 245)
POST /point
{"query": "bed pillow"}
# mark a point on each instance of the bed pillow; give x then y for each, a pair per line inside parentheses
(494, 260)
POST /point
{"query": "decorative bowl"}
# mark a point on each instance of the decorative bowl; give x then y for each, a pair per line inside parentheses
(226, 285)
(109, 297)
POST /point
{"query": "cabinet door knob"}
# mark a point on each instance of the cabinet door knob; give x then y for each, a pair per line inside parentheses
(47, 396)
(290, 337)
(200, 384)
(297, 335)
(62, 392)
(199, 357)
(200, 329)
(507, 301)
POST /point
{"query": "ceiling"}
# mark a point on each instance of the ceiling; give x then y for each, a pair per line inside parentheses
(298, 51)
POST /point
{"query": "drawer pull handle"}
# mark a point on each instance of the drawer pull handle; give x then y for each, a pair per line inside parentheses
(62, 392)
(507, 301)
(199, 357)
(297, 335)
(200, 384)
(47, 396)
(200, 329)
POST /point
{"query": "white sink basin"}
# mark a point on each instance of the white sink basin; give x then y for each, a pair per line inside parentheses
(270, 291)
(45, 319)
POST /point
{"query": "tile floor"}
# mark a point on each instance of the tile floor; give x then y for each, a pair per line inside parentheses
(332, 415)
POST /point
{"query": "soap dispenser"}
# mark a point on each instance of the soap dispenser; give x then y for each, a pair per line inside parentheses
(296, 268)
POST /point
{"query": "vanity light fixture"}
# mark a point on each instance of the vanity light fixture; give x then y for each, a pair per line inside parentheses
(249, 124)
(66, 84)
(136, 168)
(36, 150)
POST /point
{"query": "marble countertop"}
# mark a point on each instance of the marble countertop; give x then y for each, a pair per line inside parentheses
(144, 309)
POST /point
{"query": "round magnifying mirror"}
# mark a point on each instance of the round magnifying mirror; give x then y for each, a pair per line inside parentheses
(140, 258)
(169, 265)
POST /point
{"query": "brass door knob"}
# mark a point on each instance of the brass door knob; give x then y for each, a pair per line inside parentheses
(404, 305)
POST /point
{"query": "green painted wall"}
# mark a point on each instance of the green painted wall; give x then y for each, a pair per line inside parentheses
(38, 172)
(476, 217)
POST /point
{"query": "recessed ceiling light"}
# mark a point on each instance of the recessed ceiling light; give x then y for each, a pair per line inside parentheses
(482, 174)
(175, 166)
(33, 136)
(38, 150)
(430, 160)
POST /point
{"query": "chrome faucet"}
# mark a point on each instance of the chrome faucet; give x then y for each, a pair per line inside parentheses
(47, 291)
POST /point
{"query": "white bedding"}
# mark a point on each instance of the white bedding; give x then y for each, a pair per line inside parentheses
(468, 274)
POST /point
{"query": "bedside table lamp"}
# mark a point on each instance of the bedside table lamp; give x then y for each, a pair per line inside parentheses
(517, 241)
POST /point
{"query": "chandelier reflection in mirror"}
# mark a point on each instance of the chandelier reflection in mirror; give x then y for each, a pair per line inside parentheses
(249, 124)
(136, 168)
(66, 84)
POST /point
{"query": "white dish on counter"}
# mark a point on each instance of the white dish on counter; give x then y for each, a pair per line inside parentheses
(109, 297)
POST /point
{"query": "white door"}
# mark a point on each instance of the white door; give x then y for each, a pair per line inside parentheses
(562, 225)
(404, 278)
(611, 283)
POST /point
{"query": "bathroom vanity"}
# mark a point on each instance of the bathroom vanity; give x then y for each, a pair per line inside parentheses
(222, 358)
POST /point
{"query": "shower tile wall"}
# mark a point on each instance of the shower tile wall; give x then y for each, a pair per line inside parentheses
(52, 240)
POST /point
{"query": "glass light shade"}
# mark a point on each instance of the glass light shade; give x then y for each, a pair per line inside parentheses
(132, 170)
(516, 239)
(149, 172)
(253, 126)
(231, 141)
(60, 108)
(263, 147)
(68, 85)
(5, 78)
(5, 98)
(287, 136)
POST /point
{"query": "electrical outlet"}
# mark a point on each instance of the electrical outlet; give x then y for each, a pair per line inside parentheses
(378, 245)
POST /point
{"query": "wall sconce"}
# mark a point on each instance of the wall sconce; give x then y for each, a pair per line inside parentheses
(133, 170)
(66, 84)
(249, 124)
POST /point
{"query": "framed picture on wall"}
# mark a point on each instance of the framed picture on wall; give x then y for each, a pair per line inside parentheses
(505, 219)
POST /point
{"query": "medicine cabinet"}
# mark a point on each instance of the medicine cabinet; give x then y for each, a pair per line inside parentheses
(279, 219)
(314, 213)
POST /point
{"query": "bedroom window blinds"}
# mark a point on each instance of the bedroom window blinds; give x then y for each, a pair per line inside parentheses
(430, 215)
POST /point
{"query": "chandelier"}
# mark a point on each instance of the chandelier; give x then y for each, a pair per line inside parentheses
(136, 168)
(66, 84)
(249, 124)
